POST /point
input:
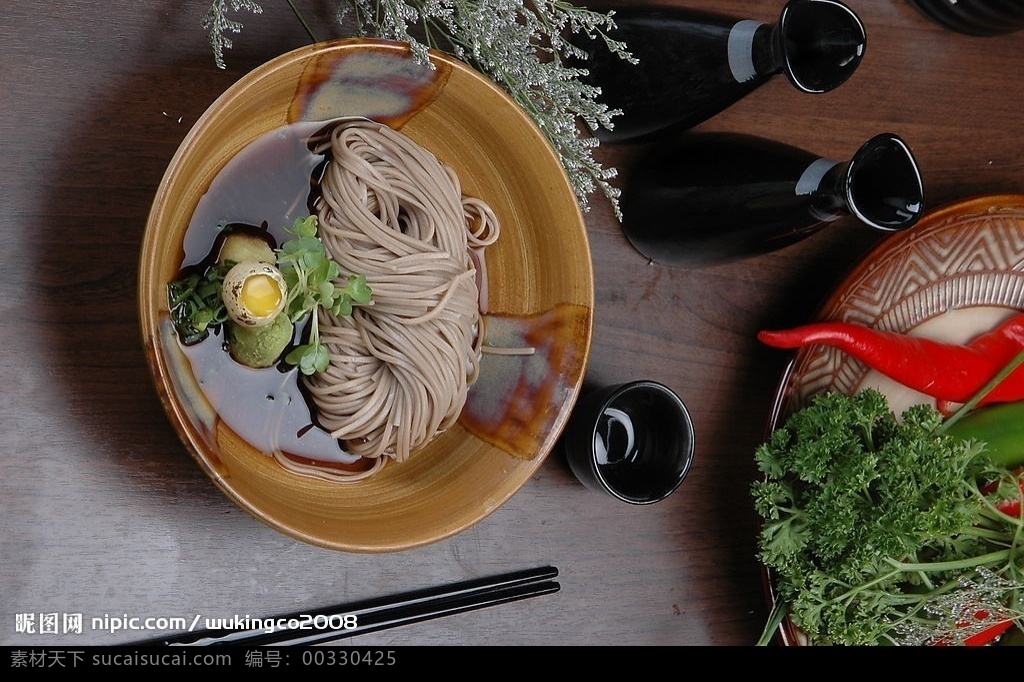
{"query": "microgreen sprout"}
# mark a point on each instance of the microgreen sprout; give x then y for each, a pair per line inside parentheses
(310, 274)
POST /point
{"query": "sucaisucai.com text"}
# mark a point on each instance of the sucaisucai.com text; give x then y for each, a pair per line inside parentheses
(161, 659)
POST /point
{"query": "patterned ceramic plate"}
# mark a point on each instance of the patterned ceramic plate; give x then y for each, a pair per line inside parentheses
(957, 274)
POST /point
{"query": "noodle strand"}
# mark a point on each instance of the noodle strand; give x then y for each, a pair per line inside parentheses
(401, 367)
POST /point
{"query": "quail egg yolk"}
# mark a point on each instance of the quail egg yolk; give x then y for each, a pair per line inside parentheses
(254, 292)
(260, 295)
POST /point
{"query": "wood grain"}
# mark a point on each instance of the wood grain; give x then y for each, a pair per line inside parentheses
(105, 512)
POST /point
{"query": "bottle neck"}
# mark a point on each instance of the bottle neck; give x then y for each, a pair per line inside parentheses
(751, 51)
(819, 181)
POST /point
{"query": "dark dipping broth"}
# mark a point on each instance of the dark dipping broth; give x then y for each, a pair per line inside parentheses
(262, 190)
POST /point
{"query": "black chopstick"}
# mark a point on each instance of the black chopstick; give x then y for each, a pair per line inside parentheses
(379, 613)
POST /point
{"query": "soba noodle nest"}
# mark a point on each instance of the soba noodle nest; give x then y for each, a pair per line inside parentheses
(401, 367)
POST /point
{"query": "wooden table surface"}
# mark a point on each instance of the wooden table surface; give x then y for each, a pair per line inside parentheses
(105, 513)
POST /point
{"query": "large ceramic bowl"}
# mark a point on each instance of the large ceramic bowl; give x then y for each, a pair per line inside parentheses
(539, 292)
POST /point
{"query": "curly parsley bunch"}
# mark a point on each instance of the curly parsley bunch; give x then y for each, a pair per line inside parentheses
(876, 529)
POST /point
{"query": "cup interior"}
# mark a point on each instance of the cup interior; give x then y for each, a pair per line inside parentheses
(633, 441)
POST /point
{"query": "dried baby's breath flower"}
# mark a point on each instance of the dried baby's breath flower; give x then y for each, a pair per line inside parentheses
(522, 45)
(218, 25)
(980, 602)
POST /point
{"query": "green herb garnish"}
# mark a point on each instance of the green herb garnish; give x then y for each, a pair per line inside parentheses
(197, 306)
(876, 529)
(310, 273)
(195, 303)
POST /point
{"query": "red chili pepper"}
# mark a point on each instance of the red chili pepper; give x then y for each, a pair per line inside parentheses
(946, 371)
(993, 632)
(1008, 507)
(988, 635)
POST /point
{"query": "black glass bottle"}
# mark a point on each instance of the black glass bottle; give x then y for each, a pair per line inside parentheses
(704, 198)
(693, 64)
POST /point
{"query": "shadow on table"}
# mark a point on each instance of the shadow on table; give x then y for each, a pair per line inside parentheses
(99, 189)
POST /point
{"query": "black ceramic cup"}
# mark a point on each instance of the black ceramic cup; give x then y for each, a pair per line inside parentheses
(633, 441)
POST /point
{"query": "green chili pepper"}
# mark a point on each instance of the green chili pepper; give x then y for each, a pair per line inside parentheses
(1000, 426)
